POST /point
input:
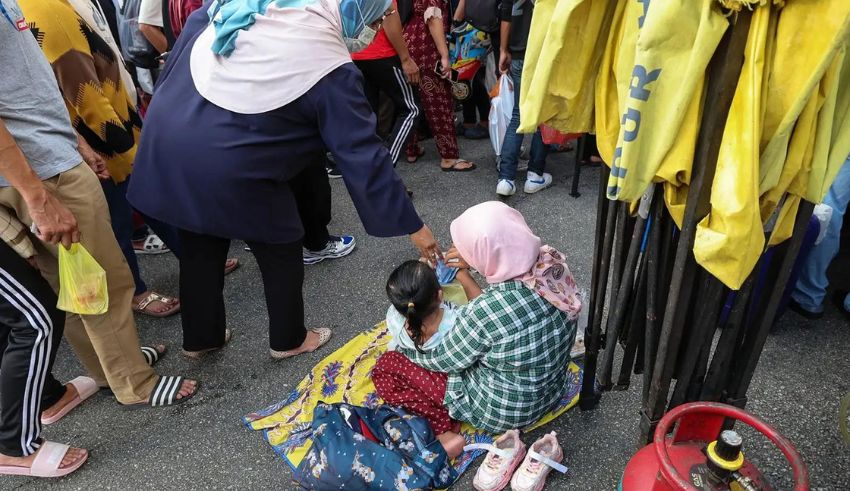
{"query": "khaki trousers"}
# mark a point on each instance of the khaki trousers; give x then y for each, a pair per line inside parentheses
(107, 344)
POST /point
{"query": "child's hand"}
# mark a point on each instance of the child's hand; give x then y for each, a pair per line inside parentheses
(454, 260)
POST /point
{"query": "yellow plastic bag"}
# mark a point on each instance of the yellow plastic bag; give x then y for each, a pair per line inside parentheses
(82, 282)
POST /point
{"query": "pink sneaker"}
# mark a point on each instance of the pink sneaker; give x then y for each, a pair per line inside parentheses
(503, 457)
(546, 454)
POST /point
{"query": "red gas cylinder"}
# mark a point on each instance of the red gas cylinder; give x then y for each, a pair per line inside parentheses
(699, 455)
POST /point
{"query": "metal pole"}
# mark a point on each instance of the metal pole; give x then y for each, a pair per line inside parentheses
(750, 352)
(712, 293)
(727, 346)
(580, 150)
(724, 71)
(652, 284)
(620, 306)
(636, 331)
(605, 220)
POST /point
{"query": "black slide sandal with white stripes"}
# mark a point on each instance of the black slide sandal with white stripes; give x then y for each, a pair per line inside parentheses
(165, 392)
(152, 355)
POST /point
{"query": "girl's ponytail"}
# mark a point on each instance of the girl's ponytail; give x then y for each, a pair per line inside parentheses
(413, 290)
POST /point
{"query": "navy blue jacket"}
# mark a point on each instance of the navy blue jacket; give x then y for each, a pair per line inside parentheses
(211, 171)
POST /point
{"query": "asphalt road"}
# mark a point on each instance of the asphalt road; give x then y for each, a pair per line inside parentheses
(203, 445)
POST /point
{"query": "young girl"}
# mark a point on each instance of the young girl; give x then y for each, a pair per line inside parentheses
(503, 364)
(419, 318)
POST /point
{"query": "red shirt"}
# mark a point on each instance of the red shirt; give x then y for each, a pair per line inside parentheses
(379, 49)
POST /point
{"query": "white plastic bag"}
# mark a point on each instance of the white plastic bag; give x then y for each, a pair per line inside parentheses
(501, 109)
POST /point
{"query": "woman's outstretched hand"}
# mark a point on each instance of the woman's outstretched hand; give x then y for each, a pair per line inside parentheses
(454, 260)
(428, 247)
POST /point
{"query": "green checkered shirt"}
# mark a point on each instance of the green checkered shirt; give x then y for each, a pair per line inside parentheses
(506, 358)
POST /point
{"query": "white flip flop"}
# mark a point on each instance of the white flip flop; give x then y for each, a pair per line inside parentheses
(86, 387)
(46, 463)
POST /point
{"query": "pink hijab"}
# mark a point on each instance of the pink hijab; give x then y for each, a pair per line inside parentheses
(495, 240)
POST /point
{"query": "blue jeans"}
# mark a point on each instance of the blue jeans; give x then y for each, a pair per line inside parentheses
(811, 286)
(122, 226)
(513, 141)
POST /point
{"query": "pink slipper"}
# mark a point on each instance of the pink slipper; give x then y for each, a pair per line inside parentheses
(46, 463)
(86, 387)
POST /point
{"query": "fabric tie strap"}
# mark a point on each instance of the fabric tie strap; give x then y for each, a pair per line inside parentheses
(546, 460)
(505, 454)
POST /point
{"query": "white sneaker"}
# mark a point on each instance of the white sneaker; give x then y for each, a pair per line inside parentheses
(535, 182)
(546, 454)
(503, 457)
(335, 248)
(506, 187)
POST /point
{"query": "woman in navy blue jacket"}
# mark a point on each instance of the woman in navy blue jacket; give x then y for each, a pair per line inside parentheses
(232, 148)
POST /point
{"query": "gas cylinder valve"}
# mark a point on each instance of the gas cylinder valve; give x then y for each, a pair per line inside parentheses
(725, 456)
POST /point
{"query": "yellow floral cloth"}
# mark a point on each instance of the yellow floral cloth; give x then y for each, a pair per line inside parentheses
(345, 376)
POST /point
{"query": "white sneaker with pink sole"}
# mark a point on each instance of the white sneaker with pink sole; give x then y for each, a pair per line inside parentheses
(546, 454)
(503, 457)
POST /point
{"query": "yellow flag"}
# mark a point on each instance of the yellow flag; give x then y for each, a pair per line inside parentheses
(676, 41)
(833, 136)
(562, 57)
(729, 240)
(611, 89)
(809, 36)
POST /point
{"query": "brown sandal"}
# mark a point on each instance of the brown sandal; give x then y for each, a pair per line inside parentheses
(172, 303)
(454, 166)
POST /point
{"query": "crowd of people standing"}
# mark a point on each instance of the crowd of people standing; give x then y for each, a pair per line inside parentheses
(76, 165)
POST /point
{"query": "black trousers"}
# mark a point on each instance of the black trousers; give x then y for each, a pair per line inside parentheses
(30, 331)
(477, 108)
(385, 75)
(281, 266)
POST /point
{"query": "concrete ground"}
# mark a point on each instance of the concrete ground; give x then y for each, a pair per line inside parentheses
(203, 445)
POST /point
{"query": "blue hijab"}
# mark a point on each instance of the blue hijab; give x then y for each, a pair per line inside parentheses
(231, 16)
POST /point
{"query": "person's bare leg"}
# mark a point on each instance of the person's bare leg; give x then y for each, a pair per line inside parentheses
(452, 443)
(73, 456)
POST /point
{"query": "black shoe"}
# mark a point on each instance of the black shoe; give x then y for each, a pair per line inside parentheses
(477, 132)
(808, 314)
(460, 129)
(838, 299)
(333, 172)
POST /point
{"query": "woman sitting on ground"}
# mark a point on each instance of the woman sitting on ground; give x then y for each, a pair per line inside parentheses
(504, 363)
